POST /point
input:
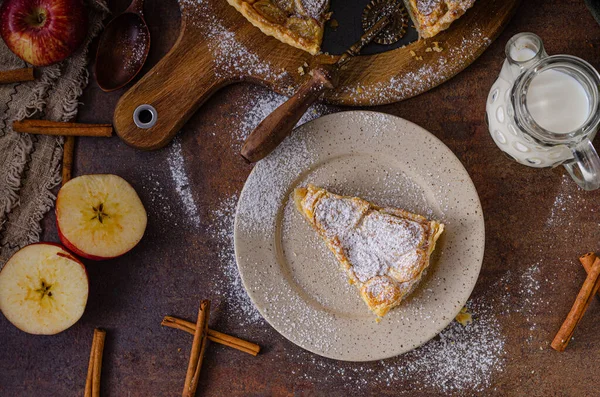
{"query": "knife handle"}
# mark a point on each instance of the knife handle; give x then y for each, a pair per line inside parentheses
(276, 126)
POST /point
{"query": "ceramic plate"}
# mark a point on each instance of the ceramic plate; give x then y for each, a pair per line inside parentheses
(293, 279)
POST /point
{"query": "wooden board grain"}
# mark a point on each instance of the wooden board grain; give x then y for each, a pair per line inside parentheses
(217, 47)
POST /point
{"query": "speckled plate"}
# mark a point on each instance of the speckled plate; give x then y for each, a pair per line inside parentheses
(293, 279)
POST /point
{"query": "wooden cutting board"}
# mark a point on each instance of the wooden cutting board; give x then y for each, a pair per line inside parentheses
(217, 47)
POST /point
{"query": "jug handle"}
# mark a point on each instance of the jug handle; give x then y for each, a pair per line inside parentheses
(585, 166)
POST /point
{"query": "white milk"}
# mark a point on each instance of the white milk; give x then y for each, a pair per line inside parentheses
(542, 110)
(521, 54)
(505, 131)
(557, 102)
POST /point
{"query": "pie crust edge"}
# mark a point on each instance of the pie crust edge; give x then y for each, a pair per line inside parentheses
(306, 200)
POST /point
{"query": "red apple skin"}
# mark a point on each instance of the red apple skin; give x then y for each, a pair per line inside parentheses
(43, 32)
(78, 252)
(71, 247)
(72, 257)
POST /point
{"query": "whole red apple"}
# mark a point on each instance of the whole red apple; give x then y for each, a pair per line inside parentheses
(43, 32)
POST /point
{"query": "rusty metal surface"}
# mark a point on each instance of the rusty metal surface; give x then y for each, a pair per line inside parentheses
(533, 217)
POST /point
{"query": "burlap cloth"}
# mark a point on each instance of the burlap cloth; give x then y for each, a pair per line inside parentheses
(30, 164)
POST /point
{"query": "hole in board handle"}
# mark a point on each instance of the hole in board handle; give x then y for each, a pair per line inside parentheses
(145, 116)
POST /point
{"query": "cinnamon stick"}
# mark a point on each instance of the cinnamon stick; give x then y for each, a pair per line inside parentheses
(587, 260)
(16, 75)
(90, 373)
(92, 384)
(48, 127)
(214, 336)
(68, 154)
(98, 361)
(198, 348)
(588, 290)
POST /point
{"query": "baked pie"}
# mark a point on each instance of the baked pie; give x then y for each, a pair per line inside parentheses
(299, 23)
(384, 251)
(432, 16)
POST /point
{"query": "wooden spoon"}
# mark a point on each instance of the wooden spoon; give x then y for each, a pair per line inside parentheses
(123, 48)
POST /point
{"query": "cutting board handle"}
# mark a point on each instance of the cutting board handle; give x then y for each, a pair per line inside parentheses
(151, 112)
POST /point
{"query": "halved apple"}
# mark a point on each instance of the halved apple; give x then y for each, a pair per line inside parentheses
(99, 216)
(43, 289)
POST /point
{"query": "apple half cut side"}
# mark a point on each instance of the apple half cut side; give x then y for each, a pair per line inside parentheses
(99, 216)
(43, 289)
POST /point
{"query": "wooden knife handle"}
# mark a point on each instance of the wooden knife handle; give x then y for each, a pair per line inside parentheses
(275, 127)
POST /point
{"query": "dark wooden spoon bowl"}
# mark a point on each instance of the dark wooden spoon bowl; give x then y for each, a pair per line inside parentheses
(123, 48)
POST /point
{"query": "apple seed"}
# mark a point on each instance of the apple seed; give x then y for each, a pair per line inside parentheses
(44, 290)
(99, 213)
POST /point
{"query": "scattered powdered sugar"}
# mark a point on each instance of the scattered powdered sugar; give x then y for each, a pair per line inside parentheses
(293, 317)
(136, 51)
(158, 196)
(567, 204)
(231, 56)
(375, 243)
(234, 59)
(313, 8)
(525, 292)
(182, 184)
(269, 184)
(426, 7)
(446, 64)
(263, 103)
(530, 285)
(231, 288)
(222, 219)
(461, 359)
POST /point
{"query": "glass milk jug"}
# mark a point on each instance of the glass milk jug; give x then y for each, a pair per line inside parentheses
(543, 110)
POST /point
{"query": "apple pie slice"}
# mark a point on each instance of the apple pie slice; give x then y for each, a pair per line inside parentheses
(432, 16)
(384, 251)
(299, 23)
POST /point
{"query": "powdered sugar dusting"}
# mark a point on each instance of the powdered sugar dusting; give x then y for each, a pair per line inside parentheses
(236, 59)
(530, 285)
(263, 103)
(271, 180)
(567, 199)
(231, 288)
(428, 75)
(314, 8)
(182, 184)
(426, 7)
(461, 359)
(232, 58)
(374, 242)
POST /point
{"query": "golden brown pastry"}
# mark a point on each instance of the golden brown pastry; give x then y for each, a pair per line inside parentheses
(299, 23)
(384, 251)
(432, 16)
